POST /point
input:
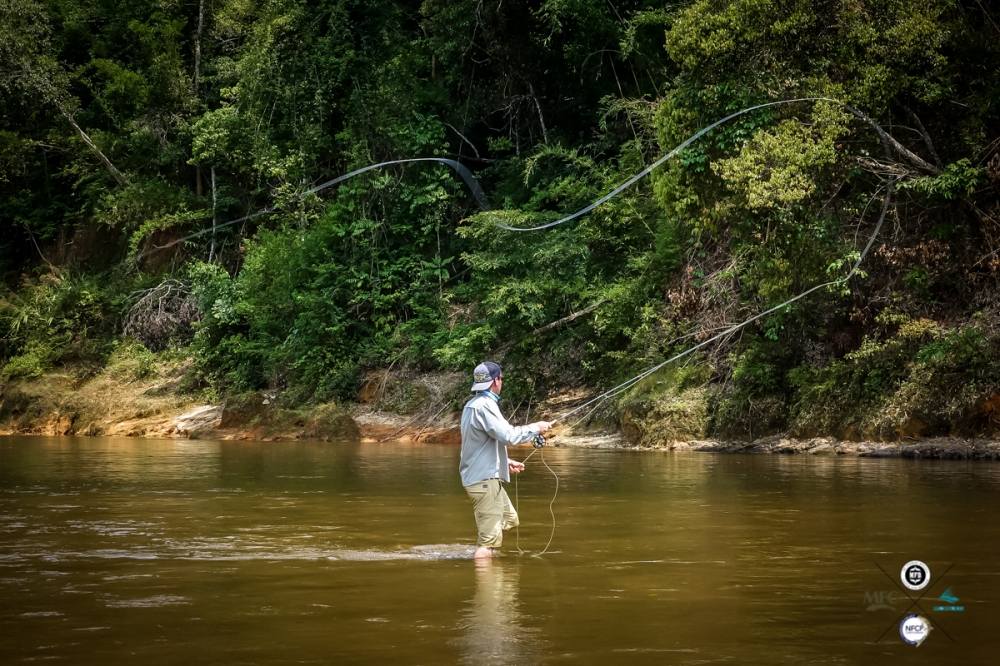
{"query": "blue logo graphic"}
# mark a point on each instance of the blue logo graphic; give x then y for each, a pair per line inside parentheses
(949, 598)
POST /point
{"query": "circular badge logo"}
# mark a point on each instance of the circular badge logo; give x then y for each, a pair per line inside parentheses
(915, 575)
(913, 629)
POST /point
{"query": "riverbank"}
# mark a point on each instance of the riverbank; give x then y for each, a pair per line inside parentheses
(117, 403)
(936, 448)
(378, 427)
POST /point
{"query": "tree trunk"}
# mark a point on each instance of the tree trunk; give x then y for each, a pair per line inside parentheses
(116, 174)
(211, 251)
(197, 79)
(541, 118)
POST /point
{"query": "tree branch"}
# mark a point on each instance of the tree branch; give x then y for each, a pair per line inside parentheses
(889, 142)
(568, 318)
(44, 86)
(925, 135)
(541, 118)
(115, 173)
(463, 138)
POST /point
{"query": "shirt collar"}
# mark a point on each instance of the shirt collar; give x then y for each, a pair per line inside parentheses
(490, 394)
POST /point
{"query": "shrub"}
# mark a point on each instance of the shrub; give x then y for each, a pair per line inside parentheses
(925, 379)
(57, 319)
(131, 361)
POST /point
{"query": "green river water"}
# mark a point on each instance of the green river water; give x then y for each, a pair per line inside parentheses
(123, 551)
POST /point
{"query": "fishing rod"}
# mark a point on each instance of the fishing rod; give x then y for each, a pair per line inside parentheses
(888, 144)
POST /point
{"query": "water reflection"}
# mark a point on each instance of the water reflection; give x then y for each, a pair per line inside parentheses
(493, 629)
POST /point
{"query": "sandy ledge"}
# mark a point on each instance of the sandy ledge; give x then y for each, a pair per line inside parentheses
(938, 448)
(143, 411)
(381, 426)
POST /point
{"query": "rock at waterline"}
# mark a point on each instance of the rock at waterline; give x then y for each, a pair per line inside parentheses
(199, 419)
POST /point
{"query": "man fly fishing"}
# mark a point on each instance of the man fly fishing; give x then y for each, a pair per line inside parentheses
(484, 464)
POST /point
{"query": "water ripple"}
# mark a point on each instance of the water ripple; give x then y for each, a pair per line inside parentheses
(155, 601)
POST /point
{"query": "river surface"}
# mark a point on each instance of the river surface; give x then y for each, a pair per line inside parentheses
(124, 551)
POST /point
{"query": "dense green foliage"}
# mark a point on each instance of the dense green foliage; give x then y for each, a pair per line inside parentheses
(127, 126)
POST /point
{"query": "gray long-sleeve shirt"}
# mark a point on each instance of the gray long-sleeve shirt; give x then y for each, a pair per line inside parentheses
(485, 436)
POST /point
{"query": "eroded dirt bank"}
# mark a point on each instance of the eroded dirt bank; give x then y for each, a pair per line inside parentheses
(117, 404)
(375, 427)
(422, 411)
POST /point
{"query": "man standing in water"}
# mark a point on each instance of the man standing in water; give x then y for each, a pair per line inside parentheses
(484, 463)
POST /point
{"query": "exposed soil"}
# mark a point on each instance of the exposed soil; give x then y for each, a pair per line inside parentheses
(114, 406)
(380, 426)
(111, 405)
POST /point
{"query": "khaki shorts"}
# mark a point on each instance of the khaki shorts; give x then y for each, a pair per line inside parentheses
(494, 511)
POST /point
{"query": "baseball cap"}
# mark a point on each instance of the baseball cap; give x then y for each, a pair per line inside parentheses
(484, 374)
